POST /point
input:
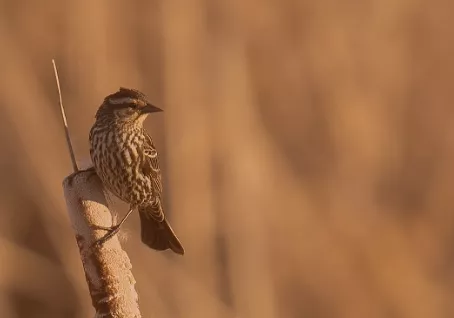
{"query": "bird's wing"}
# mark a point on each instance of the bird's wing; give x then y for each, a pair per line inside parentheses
(150, 167)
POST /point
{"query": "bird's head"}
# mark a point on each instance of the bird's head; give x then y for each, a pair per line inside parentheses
(126, 106)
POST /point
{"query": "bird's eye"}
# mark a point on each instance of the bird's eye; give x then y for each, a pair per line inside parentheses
(140, 104)
(129, 110)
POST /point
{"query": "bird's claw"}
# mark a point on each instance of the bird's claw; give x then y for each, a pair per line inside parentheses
(104, 228)
(91, 172)
(111, 231)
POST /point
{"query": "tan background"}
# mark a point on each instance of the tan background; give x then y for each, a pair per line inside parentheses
(307, 148)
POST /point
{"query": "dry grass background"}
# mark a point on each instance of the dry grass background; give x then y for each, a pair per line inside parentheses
(307, 147)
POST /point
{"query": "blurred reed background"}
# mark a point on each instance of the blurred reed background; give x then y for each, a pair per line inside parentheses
(307, 149)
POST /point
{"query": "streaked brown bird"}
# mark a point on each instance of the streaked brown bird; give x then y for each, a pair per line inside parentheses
(126, 161)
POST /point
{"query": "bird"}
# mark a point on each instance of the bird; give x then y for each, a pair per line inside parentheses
(126, 160)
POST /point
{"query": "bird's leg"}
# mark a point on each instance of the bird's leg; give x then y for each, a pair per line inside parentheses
(112, 230)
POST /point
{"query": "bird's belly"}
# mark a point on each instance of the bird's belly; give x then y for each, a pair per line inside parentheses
(129, 184)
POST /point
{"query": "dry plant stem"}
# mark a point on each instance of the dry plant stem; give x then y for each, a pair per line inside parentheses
(107, 267)
(65, 123)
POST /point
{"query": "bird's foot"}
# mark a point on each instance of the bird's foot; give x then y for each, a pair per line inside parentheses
(91, 173)
(111, 231)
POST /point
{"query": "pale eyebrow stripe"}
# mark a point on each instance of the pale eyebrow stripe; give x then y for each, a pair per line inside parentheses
(122, 100)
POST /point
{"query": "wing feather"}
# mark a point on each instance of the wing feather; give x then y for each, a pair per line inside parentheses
(151, 168)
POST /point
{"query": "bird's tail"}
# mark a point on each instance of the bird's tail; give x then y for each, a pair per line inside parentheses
(159, 235)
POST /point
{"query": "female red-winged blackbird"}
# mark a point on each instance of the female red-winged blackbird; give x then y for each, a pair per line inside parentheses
(126, 161)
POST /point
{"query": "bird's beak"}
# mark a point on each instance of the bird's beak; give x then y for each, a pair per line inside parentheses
(150, 109)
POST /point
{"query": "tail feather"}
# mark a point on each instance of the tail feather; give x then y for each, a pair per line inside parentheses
(159, 235)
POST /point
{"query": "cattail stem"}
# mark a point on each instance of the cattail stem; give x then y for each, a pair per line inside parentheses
(107, 268)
